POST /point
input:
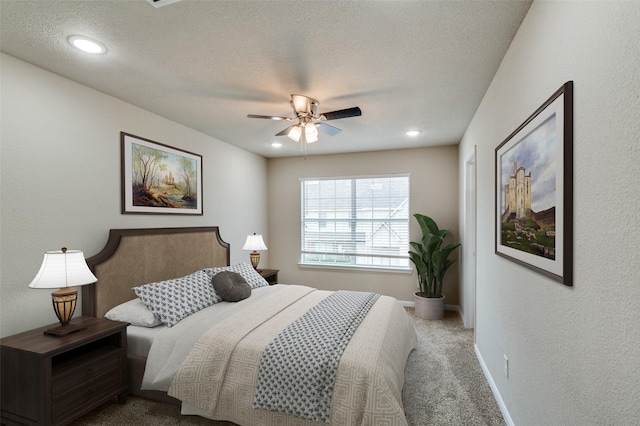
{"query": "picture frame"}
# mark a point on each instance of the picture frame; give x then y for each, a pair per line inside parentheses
(158, 178)
(534, 190)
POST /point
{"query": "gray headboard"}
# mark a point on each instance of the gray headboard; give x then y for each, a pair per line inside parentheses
(133, 257)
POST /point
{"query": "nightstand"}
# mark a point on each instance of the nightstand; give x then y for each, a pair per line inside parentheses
(271, 275)
(53, 380)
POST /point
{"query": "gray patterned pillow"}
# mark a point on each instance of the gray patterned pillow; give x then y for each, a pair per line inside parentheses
(175, 299)
(253, 278)
(231, 286)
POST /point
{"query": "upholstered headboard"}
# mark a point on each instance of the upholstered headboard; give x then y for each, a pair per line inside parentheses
(133, 257)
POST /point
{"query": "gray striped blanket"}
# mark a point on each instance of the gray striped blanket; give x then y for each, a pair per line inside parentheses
(298, 368)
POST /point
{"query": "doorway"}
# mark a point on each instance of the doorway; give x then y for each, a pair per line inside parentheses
(469, 248)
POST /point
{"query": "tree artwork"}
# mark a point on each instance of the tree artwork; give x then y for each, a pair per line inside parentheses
(160, 177)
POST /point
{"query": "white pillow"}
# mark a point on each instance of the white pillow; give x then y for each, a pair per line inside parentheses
(172, 300)
(135, 313)
(250, 275)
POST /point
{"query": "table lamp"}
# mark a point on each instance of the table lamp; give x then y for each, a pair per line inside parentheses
(63, 269)
(254, 242)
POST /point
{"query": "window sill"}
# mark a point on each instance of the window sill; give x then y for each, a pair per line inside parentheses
(353, 268)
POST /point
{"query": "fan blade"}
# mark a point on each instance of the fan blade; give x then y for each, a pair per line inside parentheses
(341, 113)
(269, 117)
(284, 132)
(328, 129)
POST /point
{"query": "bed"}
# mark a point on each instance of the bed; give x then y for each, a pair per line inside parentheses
(215, 362)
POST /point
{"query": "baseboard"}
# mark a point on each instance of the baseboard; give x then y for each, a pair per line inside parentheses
(494, 388)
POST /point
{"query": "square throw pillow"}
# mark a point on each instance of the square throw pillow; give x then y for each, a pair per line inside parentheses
(173, 300)
(253, 278)
(135, 313)
(230, 286)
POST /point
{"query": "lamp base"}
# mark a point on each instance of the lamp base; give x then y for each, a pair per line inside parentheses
(64, 303)
(255, 259)
(63, 330)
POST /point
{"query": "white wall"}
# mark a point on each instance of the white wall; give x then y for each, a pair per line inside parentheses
(60, 158)
(574, 353)
(434, 186)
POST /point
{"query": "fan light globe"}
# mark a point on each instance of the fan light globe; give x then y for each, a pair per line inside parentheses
(295, 133)
(311, 133)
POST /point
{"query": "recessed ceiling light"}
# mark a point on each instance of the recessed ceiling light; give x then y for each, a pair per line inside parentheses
(413, 133)
(87, 45)
(276, 144)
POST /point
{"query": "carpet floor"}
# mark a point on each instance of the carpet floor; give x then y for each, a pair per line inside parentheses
(444, 385)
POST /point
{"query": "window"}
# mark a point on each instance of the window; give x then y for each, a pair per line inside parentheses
(356, 222)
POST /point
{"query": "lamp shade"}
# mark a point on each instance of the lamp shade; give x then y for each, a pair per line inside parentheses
(254, 242)
(63, 268)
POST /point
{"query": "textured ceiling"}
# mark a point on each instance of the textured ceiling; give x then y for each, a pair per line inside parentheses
(207, 64)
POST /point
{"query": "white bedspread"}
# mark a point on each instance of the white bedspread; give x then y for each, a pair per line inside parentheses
(172, 344)
(368, 386)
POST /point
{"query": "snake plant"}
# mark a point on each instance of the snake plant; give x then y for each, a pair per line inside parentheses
(430, 258)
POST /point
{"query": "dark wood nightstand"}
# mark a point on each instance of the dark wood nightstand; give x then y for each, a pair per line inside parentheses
(48, 380)
(271, 275)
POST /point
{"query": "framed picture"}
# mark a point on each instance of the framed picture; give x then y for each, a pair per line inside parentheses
(534, 190)
(158, 178)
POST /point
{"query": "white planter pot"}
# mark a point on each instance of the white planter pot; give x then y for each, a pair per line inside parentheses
(430, 308)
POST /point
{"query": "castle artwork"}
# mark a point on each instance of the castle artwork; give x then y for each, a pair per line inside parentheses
(528, 219)
(533, 214)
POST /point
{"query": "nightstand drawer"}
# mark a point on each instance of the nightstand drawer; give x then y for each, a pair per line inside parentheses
(77, 400)
(78, 371)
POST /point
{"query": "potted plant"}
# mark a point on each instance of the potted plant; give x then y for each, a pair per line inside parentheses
(431, 261)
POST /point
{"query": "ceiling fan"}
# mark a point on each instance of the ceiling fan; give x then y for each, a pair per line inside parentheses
(309, 121)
